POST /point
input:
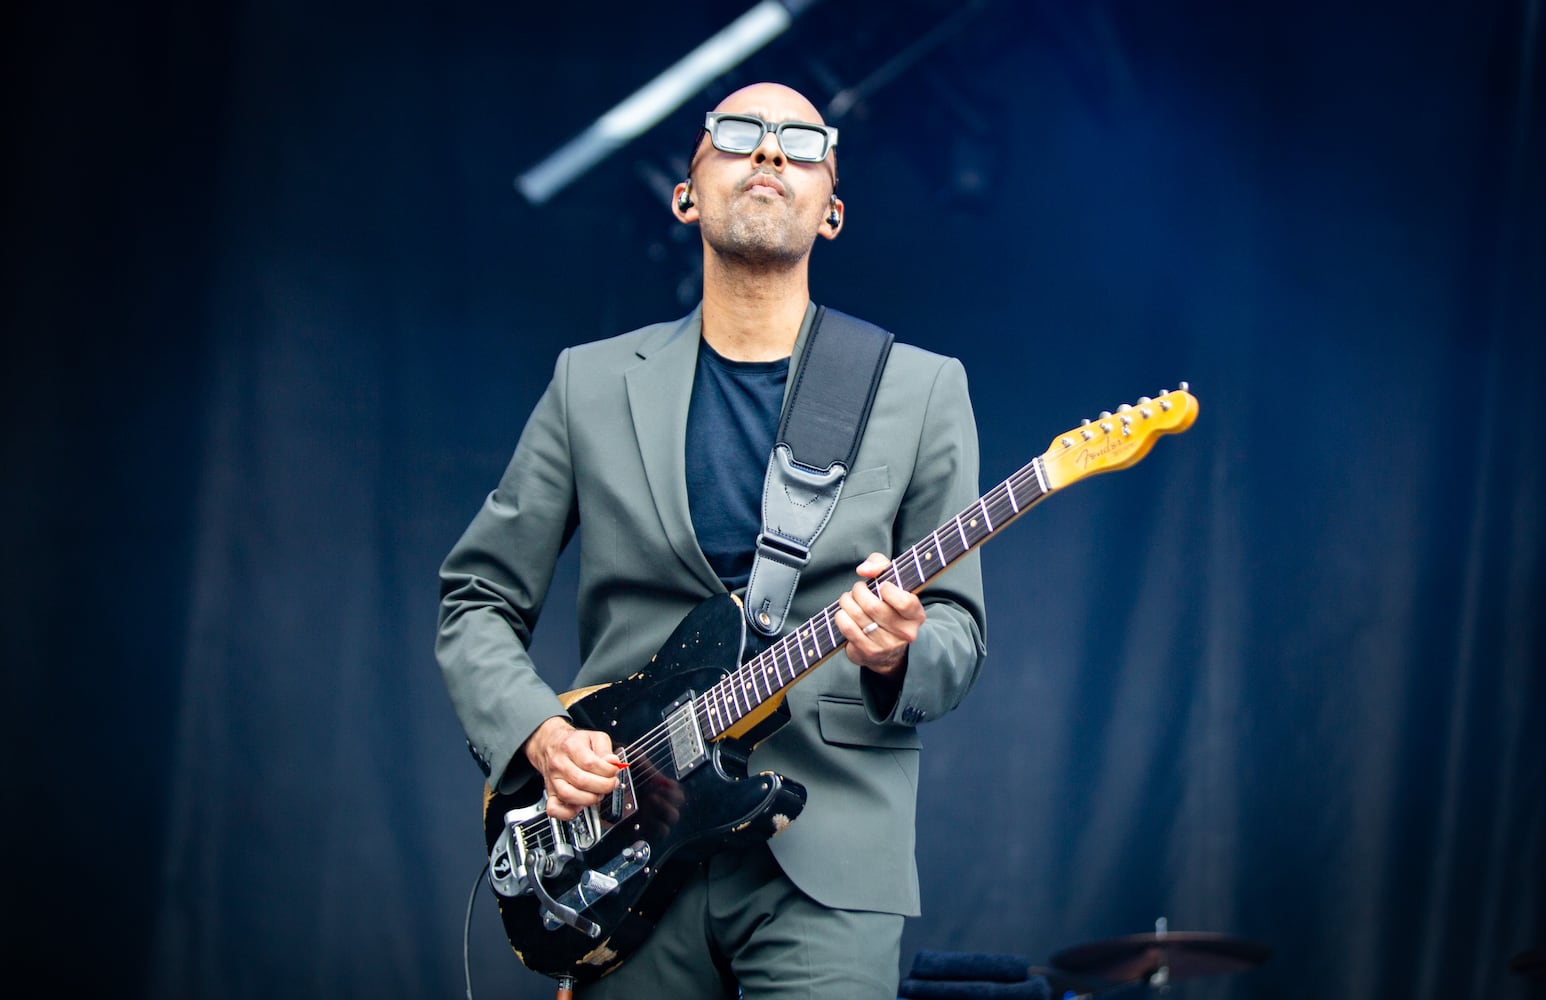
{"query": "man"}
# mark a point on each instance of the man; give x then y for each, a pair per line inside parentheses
(655, 445)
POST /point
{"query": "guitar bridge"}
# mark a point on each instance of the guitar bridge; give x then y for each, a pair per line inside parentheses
(508, 874)
(567, 910)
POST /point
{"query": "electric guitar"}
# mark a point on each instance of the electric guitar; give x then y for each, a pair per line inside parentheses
(578, 897)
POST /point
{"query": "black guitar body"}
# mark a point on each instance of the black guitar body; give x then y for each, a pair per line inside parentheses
(683, 797)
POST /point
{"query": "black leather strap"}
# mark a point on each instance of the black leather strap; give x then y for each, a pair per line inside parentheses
(833, 390)
(817, 441)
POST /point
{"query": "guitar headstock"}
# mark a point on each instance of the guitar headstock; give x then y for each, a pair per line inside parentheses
(1117, 440)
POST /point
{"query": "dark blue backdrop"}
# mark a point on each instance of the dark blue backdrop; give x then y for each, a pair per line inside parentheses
(275, 316)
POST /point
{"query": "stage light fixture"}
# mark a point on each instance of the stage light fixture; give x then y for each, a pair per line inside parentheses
(647, 106)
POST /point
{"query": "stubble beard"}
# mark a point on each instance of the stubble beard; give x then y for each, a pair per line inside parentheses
(757, 240)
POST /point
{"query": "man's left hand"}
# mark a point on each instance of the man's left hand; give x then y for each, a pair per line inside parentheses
(879, 626)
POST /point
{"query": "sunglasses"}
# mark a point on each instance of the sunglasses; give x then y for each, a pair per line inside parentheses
(741, 134)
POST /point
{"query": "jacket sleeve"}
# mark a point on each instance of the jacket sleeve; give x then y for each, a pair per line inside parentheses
(944, 661)
(492, 587)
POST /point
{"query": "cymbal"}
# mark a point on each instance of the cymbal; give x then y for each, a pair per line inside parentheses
(1185, 954)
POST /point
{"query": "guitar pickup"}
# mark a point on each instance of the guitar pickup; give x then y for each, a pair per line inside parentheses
(620, 804)
(686, 738)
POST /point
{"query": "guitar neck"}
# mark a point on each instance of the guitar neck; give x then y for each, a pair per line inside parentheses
(750, 691)
(1114, 441)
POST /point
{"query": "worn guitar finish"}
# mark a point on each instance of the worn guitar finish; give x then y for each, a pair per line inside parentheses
(578, 897)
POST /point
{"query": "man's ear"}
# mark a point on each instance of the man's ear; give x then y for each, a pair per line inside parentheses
(682, 205)
(833, 223)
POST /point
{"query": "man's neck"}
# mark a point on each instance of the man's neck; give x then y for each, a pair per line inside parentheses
(753, 317)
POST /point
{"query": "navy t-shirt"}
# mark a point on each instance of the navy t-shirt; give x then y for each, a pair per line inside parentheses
(731, 421)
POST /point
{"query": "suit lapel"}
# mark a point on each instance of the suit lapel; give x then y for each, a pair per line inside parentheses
(659, 389)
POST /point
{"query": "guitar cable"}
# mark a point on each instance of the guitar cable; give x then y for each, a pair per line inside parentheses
(472, 898)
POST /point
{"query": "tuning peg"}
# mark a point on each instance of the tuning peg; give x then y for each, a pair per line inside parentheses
(1186, 387)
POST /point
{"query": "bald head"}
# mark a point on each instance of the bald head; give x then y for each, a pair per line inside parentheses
(764, 97)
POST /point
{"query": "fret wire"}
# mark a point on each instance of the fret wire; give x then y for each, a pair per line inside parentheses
(961, 529)
(749, 683)
(748, 696)
(981, 505)
(1005, 510)
(1041, 480)
(740, 710)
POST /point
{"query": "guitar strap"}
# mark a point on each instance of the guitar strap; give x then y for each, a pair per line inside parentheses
(818, 438)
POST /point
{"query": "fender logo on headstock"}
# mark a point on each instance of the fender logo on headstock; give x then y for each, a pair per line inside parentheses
(1116, 441)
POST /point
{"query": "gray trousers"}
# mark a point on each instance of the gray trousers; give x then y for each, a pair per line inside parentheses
(742, 925)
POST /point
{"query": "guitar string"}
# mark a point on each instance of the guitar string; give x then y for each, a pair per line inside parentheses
(640, 753)
(998, 506)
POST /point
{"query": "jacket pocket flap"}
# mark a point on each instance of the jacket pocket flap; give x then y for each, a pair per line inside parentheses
(847, 723)
(865, 481)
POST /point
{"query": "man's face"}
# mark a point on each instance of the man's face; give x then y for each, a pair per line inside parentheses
(762, 207)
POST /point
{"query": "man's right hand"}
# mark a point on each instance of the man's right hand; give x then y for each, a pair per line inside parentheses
(578, 766)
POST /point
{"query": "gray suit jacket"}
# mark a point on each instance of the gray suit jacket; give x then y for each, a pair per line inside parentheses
(604, 452)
